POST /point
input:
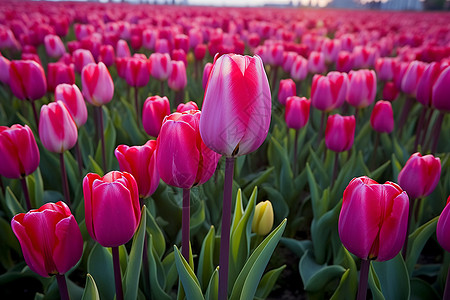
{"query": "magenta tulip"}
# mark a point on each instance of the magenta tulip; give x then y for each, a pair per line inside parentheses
(27, 79)
(385, 68)
(98, 87)
(299, 69)
(382, 117)
(287, 89)
(316, 63)
(443, 227)
(81, 58)
(362, 88)
(329, 92)
(297, 112)
(160, 65)
(54, 46)
(187, 106)
(4, 69)
(177, 79)
(206, 72)
(441, 91)
(137, 73)
(58, 73)
(155, 109)
(412, 77)
(71, 96)
(340, 132)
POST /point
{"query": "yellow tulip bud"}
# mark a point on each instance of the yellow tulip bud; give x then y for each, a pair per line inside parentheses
(263, 219)
(190, 57)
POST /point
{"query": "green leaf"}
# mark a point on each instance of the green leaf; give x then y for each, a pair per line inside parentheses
(131, 278)
(156, 273)
(318, 166)
(90, 290)
(247, 282)
(375, 285)
(376, 174)
(206, 258)
(422, 290)
(94, 167)
(348, 286)
(100, 267)
(296, 246)
(316, 276)
(158, 236)
(110, 140)
(317, 208)
(238, 210)
(212, 293)
(258, 181)
(35, 188)
(393, 278)
(267, 282)
(170, 270)
(417, 241)
(190, 283)
(396, 166)
(12, 203)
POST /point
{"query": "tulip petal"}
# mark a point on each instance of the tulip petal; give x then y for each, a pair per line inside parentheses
(69, 244)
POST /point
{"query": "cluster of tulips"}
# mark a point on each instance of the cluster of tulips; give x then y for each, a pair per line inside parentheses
(333, 101)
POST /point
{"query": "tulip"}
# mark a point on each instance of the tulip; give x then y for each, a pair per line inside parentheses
(443, 228)
(200, 51)
(122, 49)
(140, 162)
(82, 58)
(420, 175)
(54, 46)
(345, 61)
(206, 71)
(262, 221)
(297, 112)
(288, 60)
(181, 41)
(58, 73)
(155, 109)
(31, 57)
(161, 67)
(51, 241)
(195, 37)
(27, 80)
(390, 91)
(299, 69)
(382, 117)
(107, 55)
(4, 69)
(340, 132)
(71, 96)
(182, 107)
(177, 79)
(385, 68)
(373, 219)
(162, 46)
(362, 88)
(365, 57)
(98, 87)
(287, 89)
(440, 91)
(412, 77)
(316, 63)
(275, 54)
(149, 39)
(329, 92)
(331, 49)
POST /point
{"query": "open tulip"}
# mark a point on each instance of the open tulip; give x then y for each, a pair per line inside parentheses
(382, 117)
(71, 96)
(287, 89)
(112, 209)
(262, 221)
(98, 87)
(155, 109)
(373, 219)
(50, 238)
(340, 132)
(420, 175)
(140, 162)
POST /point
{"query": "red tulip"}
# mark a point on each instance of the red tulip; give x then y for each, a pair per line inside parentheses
(297, 112)
(329, 92)
(137, 73)
(373, 219)
(179, 55)
(287, 89)
(420, 175)
(200, 52)
(58, 73)
(390, 91)
(140, 161)
(177, 79)
(443, 228)
(340, 132)
(155, 109)
(187, 106)
(27, 79)
(50, 238)
(237, 105)
(382, 117)
(182, 158)
(98, 87)
(71, 96)
(19, 152)
(111, 205)
(57, 129)
(362, 88)
(181, 41)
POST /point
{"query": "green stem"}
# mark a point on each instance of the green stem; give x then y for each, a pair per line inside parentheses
(363, 277)
(186, 215)
(23, 182)
(294, 167)
(102, 136)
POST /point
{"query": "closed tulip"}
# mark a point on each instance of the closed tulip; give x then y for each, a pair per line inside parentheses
(345, 61)
(297, 112)
(58, 73)
(441, 90)
(288, 60)
(443, 227)
(98, 87)
(316, 63)
(137, 73)
(299, 69)
(362, 88)
(262, 221)
(27, 80)
(427, 81)
(107, 55)
(183, 159)
(81, 58)
(412, 77)
(4, 69)
(206, 71)
(177, 79)
(54, 46)
(330, 49)
(340, 132)
(57, 129)
(390, 91)
(187, 106)
(122, 49)
(237, 105)
(160, 65)
(420, 175)
(382, 117)
(112, 210)
(19, 152)
(329, 92)
(373, 219)
(140, 161)
(155, 109)
(181, 41)
(385, 68)
(200, 52)
(287, 89)
(50, 238)
(71, 96)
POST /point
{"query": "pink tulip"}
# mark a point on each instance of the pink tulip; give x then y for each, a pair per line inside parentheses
(427, 81)
(107, 55)
(71, 96)
(390, 91)
(288, 60)
(82, 58)
(206, 72)
(149, 39)
(330, 49)
(155, 109)
(195, 37)
(362, 88)
(137, 73)
(32, 57)
(345, 61)
(111, 205)
(297, 112)
(58, 73)
(27, 80)
(183, 159)
(299, 69)
(54, 46)
(316, 63)
(275, 54)
(442, 227)
(441, 91)
(287, 89)
(200, 52)
(187, 106)
(329, 92)
(385, 68)
(57, 129)
(382, 117)
(50, 238)
(177, 79)
(98, 87)
(373, 219)
(122, 49)
(4, 69)
(237, 105)
(140, 162)
(162, 46)
(412, 77)
(19, 152)
(420, 175)
(340, 132)
(365, 57)
(179, 55)
(160, 65)
(181, 41)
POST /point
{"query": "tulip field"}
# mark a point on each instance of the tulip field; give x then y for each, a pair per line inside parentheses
(179, 152)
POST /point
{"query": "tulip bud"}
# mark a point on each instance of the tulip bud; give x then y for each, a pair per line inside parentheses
(181, 41)
(441, 90)
(71, 96)
(420, 175)
(345, 61)
(140, 162)
(179, 55)
(385, 68)
(287, 89)
(340, 132)
(297, 112)
(362, 88)
(187, 106)
(206, 72)
(4, 69)
(177, 79)
(263, 218)
(27, 79)
(122, 49)
(329, 92)
(107, 55)
(412, 77)
(373, 219)
(237, 105)
(299, 69)
(57, 129)
(288, 60)
(82, 58)
(54, 46)
(382, 117)
(443, 228)
(160, 65)
(50, 238)
(155, 109)
(183, 160)
(316, 63)
(58, 73)
(330, 49)
(112, 211)
(19, 152)
(137, 73)
(275, 54)
(200, 52)
(98, 87)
